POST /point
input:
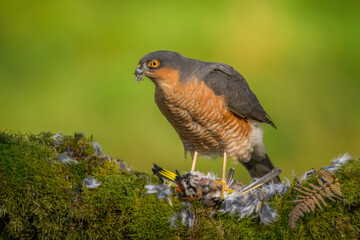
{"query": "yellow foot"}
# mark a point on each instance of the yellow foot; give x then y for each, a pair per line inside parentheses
(224, 187)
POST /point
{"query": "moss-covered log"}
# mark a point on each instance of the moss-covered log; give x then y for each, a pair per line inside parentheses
(43, 196)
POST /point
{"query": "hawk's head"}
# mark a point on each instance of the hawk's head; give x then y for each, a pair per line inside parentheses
(156, 65)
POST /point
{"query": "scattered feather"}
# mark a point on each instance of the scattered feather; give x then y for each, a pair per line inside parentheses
(97, 147)
(187, 216)
(58, 139)
(338, 162)
(335, 164)
(65, 158)
(163, 191)
(173, 220)
(267, 214)
(124, 167)
(91, 183)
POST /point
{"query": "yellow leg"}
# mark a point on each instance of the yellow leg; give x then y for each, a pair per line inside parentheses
(222, 182)
(224, 168)
(194, 161)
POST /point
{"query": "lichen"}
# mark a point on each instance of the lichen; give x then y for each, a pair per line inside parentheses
(41, 197)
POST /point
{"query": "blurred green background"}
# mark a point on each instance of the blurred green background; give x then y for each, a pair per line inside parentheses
(67, 66)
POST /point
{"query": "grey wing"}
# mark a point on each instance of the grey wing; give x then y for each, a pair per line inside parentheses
(226, 81)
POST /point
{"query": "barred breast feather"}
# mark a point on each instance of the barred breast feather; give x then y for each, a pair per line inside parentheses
(202, 119)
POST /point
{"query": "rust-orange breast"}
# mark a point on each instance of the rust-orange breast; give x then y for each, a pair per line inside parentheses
(201, 118)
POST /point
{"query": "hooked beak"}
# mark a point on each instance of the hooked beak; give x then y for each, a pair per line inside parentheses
(139, 73)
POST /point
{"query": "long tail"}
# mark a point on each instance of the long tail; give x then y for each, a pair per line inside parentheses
(259, 167)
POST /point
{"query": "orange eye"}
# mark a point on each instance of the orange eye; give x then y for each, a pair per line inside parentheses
(154, 63)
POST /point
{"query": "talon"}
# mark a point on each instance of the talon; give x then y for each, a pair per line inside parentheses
(224, 187)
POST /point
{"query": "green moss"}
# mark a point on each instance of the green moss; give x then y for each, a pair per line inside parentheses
(43, 198)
